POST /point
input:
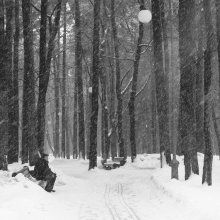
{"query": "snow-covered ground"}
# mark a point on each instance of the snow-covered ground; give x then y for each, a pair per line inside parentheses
(138, 191)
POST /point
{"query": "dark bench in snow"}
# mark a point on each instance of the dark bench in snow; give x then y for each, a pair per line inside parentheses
(115, 163)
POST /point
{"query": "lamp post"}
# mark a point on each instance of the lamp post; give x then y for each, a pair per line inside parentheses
(144, 16)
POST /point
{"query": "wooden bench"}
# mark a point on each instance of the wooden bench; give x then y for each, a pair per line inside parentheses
(117, 162)
(121, 160)
(111, 165)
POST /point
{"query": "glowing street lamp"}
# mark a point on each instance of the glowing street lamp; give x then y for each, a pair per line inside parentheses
(90, 89)
(144, 16)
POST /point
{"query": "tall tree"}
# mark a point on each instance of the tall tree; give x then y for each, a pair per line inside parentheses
(118, 81)
(15, 81)
(153, 109)
(172, 145)
(78, 71)
(161, 82)
(167, 70)
(215, 125)
(165, 38)
(112, 114)
(111, 91)
(217, 5)
(63, 136)
(44, 78)
(42, 66)
(75, 125)
(187, 51)
(199, 84)
(68, 130)
(3, 92)
(103, 81)
(12, 148)
(56, 96)
(88, 110)
(75, 106)
(208, 154)
(28, 109)
(174, 162)
(95, 87)
(131, 103)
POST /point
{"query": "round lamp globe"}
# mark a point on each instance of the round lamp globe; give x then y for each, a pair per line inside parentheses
(144, 16)
(90, 89)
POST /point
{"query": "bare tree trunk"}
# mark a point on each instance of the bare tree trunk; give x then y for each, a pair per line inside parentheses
(75, 107)
(217, 134)
(88, 112)
(44, 79)
(95, 87)
(166, 55)
(3, 93)
(15, 81)
(112, 118)
(63, 87)
(78, 70)
(174, 162)
(67, 127)
(208, 154)
(172, 144)
(118, 81)
(103, 147)
(103, 81)
(111, 94)
(217, 5)
(165, 40)
(106, 137)
(12, 148)
(28, 110)
(199, 87)
(131, 103)
(57, 102)
(42, 68)
(187, 118)
(161, 82)
(153, 111)
(75, 124)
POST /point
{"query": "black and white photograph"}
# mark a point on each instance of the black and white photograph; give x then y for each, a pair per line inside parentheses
(109, 109)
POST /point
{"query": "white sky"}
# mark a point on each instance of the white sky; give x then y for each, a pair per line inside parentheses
(138, 191)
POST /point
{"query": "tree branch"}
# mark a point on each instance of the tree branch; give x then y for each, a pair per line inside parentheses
(142, 88)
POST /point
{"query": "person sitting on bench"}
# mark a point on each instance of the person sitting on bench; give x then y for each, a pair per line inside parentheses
(43, 172)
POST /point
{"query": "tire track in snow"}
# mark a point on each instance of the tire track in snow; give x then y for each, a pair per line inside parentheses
(125, 204)
(117, 205)
(108, 203)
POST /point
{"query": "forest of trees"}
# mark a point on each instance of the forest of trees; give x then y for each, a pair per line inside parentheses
(85, 78)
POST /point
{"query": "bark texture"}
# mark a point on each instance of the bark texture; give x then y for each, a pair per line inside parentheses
(28, 110)
(161, 82)
(131, 103)
(208, 154)
(118, 81)
(95, 87)
(44, 78)
(79, 73)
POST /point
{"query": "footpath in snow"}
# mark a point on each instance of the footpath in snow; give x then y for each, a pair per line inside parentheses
(136, 191)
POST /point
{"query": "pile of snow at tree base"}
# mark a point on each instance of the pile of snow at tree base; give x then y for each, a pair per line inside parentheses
(138, 191)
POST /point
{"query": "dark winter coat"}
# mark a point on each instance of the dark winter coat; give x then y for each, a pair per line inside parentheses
(41, 169)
